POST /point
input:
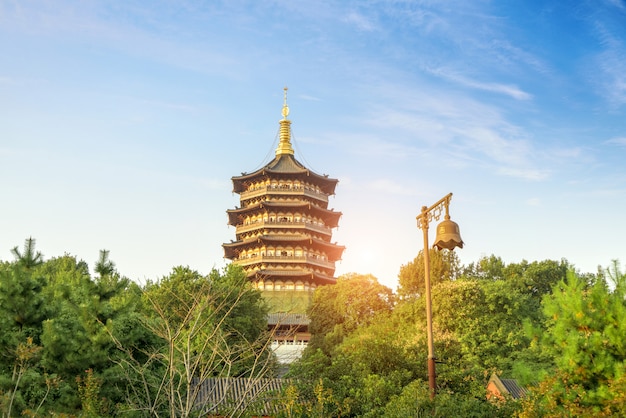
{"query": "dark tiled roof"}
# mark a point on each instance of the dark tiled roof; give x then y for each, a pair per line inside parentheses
(226, 396)
(332, 216)
(508, 386)
(287, 165)
(514, 389)
(287, 319)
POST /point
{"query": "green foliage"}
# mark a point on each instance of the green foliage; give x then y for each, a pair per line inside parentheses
(487, 268)
(340, 309)
(137, 346)
(444, 266)
(29, 258)
(586, 336)
(89, 387)
(21, 301)
(480, 321)
(484, 324)
(82, 315)
(367, 380)
(68, 316)
(205, 327)
(104, 267)
(350, 322)
(536, 278)
(75, 344)
(25, 355)
(414, 401)
(242, 307)
(224, 302)
(320, 403)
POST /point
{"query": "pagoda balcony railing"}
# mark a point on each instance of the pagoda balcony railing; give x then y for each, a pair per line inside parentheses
(300, 259)
(284, 190)
(278, 223)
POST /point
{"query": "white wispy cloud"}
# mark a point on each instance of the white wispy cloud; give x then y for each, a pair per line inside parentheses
(360, 21)
(152, 38)
(423, 121)
(620, 140)
(608, 73)
(309, 98)
(612, 77)
(612, 65)
(513, 55)
(506, 89)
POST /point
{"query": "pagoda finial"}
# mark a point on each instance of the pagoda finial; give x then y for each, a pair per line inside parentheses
(284, 146)
(285, 107)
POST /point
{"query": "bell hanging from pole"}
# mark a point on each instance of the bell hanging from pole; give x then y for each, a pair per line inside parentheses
(448, 234)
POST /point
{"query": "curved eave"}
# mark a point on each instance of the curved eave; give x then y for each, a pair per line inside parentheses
(276, 274)
(333, 251)
(285, 166)
(330, 216)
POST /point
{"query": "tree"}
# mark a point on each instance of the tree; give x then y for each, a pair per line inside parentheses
(20, 291)
(21, 314)
(349, 322)
(104, 267)
(480, 327)
(368, 357)
(340, 309)
(29, 258)
(488, 268)
(537, 278)
(206, 327)
(414, 401)
(585, 335)
(444, 266)
(56, 308)
(70, 343)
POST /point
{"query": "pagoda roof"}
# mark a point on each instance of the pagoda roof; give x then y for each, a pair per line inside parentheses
(318, 277)
(333, 251)
(330, 216)
(285, 165)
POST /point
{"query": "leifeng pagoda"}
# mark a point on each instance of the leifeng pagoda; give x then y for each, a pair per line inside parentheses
(283, 233)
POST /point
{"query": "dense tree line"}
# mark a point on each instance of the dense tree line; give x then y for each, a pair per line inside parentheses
(80, 343)
(75, 344)
(561, 334)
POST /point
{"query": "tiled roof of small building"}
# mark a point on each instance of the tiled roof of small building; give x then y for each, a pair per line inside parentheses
(514, 389)
(288, 319)
(507, 386)
(225, 396)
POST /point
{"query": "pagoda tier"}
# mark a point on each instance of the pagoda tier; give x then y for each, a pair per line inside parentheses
(284, 244)
(286, 167)
(283, 225)
(292, 279)
(277, 211)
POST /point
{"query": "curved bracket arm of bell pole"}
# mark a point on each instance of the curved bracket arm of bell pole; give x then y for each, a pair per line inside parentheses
(433, 212)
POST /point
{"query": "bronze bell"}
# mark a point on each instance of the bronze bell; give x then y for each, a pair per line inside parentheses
(448, 235)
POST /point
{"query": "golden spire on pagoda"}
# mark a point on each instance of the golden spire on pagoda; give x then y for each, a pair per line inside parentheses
(284, 145)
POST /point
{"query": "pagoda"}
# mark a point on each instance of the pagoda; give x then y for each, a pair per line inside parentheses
(284, 229)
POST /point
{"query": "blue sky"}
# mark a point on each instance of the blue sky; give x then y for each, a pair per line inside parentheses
(121, 124)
